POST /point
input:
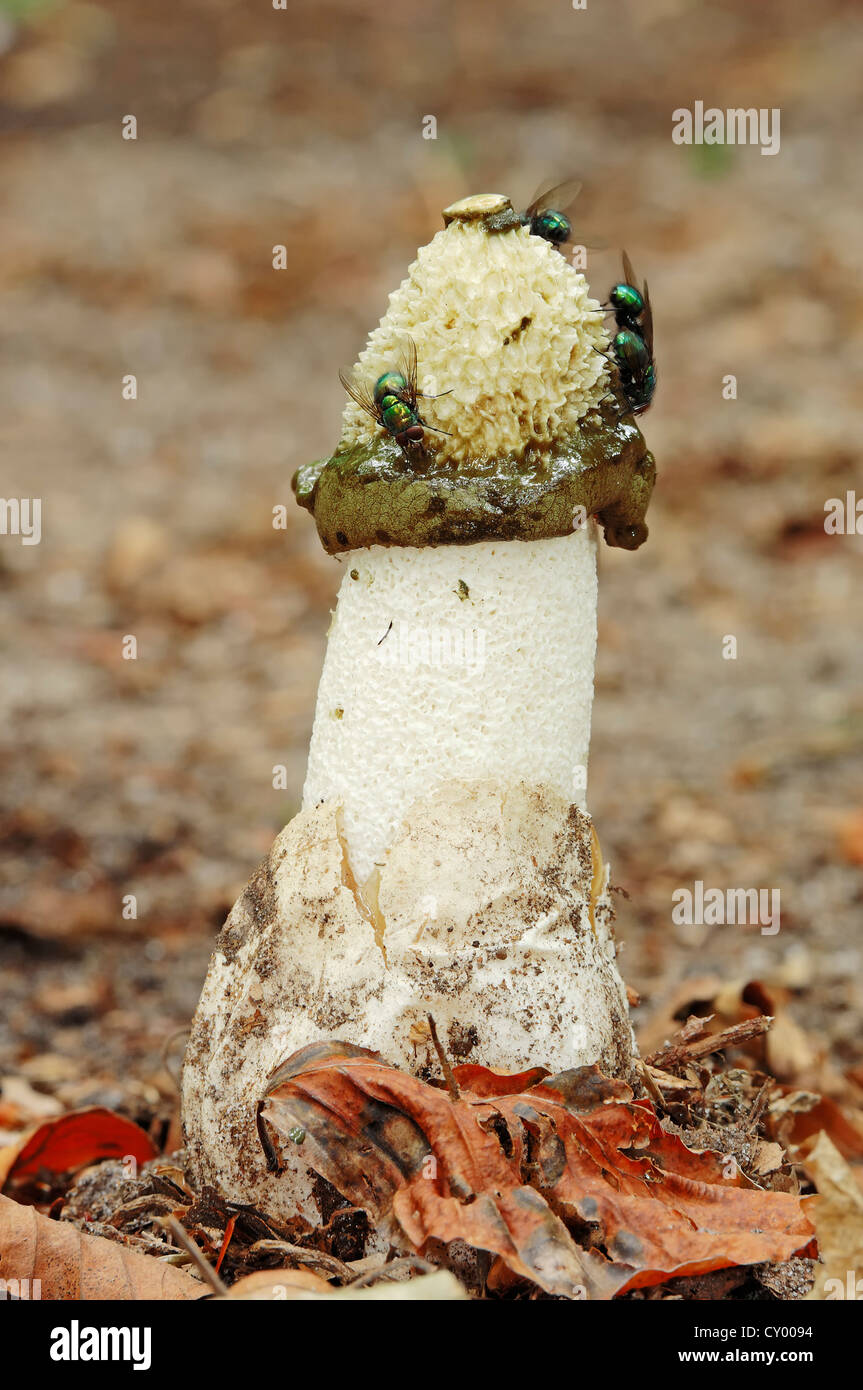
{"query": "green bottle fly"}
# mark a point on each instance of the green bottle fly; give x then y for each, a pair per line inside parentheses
(392, 401)
(632, 344)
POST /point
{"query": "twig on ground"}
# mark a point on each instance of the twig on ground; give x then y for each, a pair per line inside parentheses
(393, 1269)
(715, 1042)
(451, 1083)
(184, 1240)
(315, 1259)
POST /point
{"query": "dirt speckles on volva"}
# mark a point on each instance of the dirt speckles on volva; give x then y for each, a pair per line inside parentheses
(507, 963)
(252, 913)
(462, 1039)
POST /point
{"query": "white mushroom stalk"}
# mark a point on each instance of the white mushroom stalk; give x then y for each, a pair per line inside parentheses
(453, 664)
(443, 862)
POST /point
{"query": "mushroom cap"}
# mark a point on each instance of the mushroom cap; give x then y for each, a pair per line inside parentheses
(502, 323)
(522, 440)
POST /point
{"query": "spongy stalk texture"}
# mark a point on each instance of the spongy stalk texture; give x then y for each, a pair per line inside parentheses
(453, 663)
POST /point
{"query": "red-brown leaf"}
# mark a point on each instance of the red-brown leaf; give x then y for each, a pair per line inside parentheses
(511, 1171)
(68, 1142)
(486, 1081)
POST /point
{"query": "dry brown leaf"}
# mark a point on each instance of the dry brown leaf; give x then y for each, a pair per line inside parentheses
(295, 1285)
(49, 912)
(272, 1285)
(850, 837)
(510, 1173)
(789, 1053)
(71, 1265)
(767, 1158)
(705, 1005)
(668, 1084)
(795, 1116)
(838, 1211)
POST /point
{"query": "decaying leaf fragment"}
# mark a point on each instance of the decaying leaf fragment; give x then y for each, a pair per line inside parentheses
(570, 1182)
(838, 1212)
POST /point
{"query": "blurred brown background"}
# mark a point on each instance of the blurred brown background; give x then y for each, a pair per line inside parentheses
(257, 127)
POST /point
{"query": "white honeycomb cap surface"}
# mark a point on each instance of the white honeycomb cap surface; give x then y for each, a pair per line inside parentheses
(506, 325)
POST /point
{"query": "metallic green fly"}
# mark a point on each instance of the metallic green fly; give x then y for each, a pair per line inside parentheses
(392, 400)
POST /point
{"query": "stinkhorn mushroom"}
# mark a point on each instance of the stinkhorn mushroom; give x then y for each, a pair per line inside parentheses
(443, 862)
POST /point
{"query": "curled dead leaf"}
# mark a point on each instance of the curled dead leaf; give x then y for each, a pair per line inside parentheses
(68, 1142)
(570, 1182)
(794, 1116)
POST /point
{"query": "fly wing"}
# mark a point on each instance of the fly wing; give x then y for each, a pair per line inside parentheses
(408, 369)
(628, 272)
(647, 320)
(560, 198)
(359, 391)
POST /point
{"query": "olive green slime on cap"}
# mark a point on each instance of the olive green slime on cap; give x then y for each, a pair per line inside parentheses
(372, 495)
